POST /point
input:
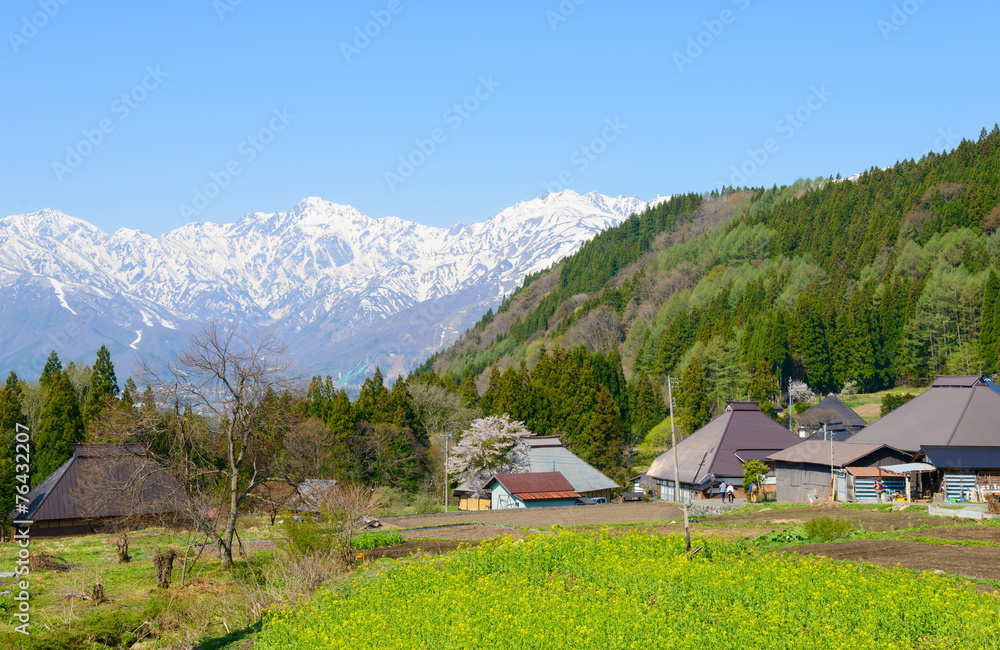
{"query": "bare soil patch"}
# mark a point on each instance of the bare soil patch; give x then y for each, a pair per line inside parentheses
(415, 547)
(863, 519)
(970, 561)
(612, 513)
(970, 532)
(465, 532)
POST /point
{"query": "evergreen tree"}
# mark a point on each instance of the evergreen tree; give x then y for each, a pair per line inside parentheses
(692, 398)
(646, 405)
(103, 385)
(52, 368)
(60, 427)
(340, 416)
(469, 392)
(600, 444)
(989, 327)
(372, 404)
(763, 383)
(11, 415)
(810, 342)
(401, 406)
(130, 393)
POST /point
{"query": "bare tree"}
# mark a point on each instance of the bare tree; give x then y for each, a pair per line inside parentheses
(224, 443)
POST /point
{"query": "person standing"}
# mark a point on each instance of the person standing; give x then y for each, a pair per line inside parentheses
(879, 489)
(753, 492)
(722, 491)
(731, 492)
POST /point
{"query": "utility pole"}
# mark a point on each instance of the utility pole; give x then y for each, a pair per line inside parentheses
(677, 471)
(790, 405)
(447, 437)
(833, 477)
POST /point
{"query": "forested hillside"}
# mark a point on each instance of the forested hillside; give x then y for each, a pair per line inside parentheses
(884, 279)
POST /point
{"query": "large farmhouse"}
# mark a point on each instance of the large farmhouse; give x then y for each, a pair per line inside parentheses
(717, 450)
(97, 486)
(954, 429)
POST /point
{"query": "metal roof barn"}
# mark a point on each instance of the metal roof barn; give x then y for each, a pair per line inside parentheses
(957, 411)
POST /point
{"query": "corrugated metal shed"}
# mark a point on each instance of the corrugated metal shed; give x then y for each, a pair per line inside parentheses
(962, 411)
(712, 449)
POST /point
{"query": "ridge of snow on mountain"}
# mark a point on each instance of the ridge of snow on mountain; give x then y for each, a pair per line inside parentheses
(319, 265)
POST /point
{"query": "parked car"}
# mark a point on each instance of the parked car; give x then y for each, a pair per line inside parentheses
(599, 500)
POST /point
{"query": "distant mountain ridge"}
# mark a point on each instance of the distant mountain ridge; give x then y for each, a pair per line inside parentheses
(347, 291)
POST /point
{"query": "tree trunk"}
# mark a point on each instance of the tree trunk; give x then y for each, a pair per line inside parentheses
(121, 545)
(164, 563)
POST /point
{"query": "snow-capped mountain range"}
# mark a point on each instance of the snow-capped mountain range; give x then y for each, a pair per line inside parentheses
(346, 291)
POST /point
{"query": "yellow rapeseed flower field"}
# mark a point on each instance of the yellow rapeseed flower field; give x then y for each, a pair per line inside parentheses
(640, 590)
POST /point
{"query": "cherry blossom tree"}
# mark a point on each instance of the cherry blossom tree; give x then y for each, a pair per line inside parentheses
(491, 445)
(799, 391)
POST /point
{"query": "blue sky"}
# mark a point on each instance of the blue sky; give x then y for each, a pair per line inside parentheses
(125, 113)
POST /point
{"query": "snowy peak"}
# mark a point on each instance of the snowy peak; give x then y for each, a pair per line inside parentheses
(322, 272)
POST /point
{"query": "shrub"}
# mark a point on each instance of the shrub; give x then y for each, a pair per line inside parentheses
(306, 538)
(827, 529)
(377, 539)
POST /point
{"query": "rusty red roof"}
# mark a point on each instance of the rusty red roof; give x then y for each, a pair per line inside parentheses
(547, 495)
(528, 484)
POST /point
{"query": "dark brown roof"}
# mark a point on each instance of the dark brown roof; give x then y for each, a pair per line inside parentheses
(817, 452)
(962, 457)
(103, 481)
(534, 483)
(712, 449)
(838, 412)
(957, 381)
(961, 411)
